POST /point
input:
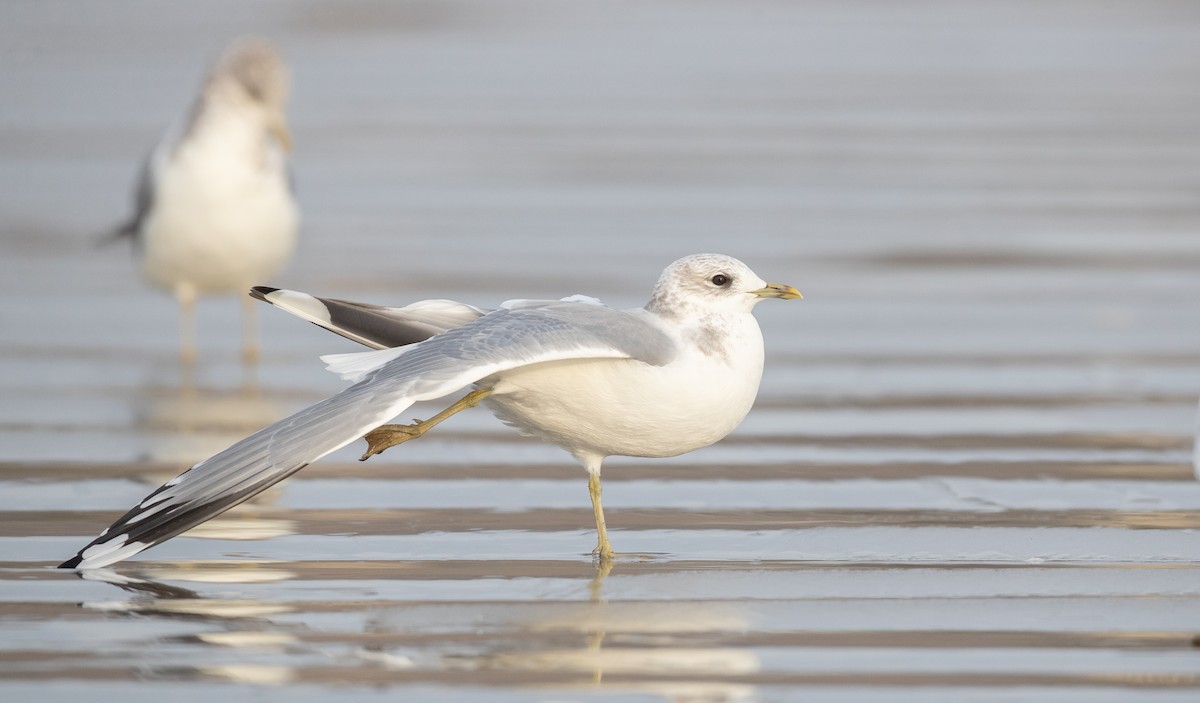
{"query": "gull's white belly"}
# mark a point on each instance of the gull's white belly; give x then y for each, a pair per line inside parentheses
(618, 406)
(218, 225)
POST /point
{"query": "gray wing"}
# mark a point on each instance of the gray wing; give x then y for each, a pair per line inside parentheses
(147, 183)
(143, 203)
(501, 340)
(375, 326)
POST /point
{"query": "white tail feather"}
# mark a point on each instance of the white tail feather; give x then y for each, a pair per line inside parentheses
(355, 366)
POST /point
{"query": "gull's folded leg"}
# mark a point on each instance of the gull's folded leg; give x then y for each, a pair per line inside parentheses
(387, 436)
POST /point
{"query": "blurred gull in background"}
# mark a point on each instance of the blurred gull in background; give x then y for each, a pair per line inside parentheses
(214, 210)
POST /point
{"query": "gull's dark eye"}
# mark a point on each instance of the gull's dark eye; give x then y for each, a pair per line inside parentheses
(720, 280)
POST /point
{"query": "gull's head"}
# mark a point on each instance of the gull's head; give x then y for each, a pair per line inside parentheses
(252, 76)
(712, 283)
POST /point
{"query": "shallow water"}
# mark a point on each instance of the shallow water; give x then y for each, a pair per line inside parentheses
(968, 475)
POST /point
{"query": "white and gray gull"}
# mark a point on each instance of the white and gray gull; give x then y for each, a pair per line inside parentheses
(657, 381)
(214, 209)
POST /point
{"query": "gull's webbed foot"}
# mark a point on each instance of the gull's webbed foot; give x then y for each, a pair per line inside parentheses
(604, 552)
(388, 436)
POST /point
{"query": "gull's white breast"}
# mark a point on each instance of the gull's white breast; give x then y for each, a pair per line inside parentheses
(624, 407)
(223, 216)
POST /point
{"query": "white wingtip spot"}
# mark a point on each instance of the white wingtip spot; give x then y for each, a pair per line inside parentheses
(156, 498)
(110, 552)
(148, 512)
(301, 304)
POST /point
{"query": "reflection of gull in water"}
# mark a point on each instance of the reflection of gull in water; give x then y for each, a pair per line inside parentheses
(254, 674)
(217, 572)
(1196, 448)
(659, 661)
(183, 425)
(249, 631)
(209, 410)
(214, 207)
(652, 641)
(159, 598)
(666, 648)
(676, 375)
(244, 528)
(272, 641)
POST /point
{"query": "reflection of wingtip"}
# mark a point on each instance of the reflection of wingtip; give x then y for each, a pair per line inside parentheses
(133, 584)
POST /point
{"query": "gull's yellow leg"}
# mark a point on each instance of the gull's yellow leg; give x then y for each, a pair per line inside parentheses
(387, 436)
(603, 548)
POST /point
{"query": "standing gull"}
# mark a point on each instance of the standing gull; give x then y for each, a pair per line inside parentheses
(214, 212)
(662, 380)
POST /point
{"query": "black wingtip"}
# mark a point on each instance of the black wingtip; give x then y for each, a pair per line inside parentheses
(72, 562)
(261, 292)
(116, 234)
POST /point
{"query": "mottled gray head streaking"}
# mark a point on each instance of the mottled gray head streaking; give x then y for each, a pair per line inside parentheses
(659, 381)
(253, 68)
(705, 281)
(254, 65)
(251, 71)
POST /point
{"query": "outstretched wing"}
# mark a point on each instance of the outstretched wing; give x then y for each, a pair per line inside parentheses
(498, 341)
(375, 326)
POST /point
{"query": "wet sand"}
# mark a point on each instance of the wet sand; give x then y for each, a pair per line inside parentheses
(968, 475)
